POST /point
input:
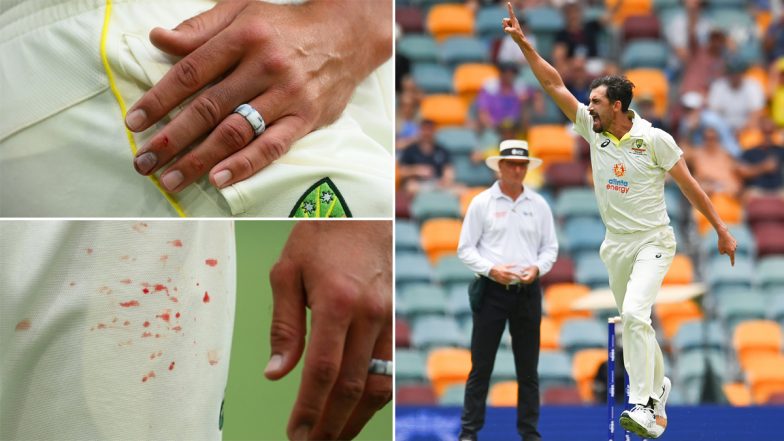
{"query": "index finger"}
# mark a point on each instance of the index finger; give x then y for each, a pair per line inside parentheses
(732, 257)
(185, 78)
(511, 13)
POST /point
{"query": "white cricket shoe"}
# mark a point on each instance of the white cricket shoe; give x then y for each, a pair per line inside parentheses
(658, 406)
(641, 421)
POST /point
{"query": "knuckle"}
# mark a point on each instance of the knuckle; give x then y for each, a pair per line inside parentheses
(379, 397)
(345, 294)
(324, 372)
(195, 163)
(277, 64)
(376, 308)
(186, 74)
(192, 24)
(274, 147)
(284, 334)
(207, 109)
(281, 271)
(349, 390)
(234, 134)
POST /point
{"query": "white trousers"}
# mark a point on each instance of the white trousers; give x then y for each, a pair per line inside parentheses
(64, 150)
(637, 264)
(115, 329)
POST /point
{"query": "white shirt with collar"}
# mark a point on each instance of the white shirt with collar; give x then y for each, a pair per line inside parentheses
(628, 174)
(499, 231)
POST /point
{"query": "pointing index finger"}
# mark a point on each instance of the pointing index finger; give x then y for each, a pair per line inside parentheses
(512, 15)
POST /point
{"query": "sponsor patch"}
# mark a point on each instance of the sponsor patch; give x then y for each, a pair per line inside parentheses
(322, 199)
(639, 147)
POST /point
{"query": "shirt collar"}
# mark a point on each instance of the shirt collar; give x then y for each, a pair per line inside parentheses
(638, 127)
(495, 190)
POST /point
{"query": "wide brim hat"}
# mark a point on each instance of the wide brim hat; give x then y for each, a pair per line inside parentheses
(513, 150)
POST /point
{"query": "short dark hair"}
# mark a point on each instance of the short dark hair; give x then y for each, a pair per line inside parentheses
(619, 88)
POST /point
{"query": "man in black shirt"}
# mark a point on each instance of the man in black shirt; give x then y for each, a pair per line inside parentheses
(425, 163)
(761, 166)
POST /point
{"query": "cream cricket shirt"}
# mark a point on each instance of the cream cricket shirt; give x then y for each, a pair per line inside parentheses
(628, 174)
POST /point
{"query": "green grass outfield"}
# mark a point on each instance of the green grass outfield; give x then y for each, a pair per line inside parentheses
(256, 408)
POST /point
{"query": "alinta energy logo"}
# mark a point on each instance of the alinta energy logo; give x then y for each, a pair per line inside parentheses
(618, 185)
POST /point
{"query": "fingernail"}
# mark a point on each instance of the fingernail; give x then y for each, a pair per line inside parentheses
(274, 363)
(145, 162)
(222, 177)
(135, 119)
(172, 180)
(301, 434)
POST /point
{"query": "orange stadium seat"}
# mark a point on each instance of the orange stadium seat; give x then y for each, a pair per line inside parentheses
(469, 78)
(561, 395)
(738, 394)
(503, 394)
(729, 210)
(766, 378)
(548, 334)
(467, 196)
(752, 137)
(439, 237)
(445, 110)
(448, 20)
(448, 366)
(760, 75)
(755, 338)
(628, 8)
(558, 299)
(681, 271)
(672, 315)
(651, 82)
(585, 366)
(551, 143)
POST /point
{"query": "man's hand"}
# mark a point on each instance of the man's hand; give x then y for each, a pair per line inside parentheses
(342, 271)
(504, 274)
(297, 65)
(512, 26)
(727, 245)
(529, 275)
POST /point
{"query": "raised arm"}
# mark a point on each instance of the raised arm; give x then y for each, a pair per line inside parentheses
(546, 74)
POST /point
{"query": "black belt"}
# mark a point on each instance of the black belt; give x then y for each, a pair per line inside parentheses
(512, 287)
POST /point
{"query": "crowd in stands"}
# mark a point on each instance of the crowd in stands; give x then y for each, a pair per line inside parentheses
(709, 72)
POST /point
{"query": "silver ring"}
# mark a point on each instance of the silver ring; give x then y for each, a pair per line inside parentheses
(253, 117)
(380, 367)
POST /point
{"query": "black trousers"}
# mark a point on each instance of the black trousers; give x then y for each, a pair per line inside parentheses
(521, 305)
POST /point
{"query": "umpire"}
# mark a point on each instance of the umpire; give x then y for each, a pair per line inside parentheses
(508, 240)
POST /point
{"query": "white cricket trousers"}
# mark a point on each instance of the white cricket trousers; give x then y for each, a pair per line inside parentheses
(637, 264)
(115, 330)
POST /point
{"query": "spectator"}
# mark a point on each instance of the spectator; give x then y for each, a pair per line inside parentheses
(678, 35)
(713, 167)
(578, 39)
(503, 99)
(739, 100)
(508, 53)
(426, 163)
(645, 107)
(761, 166)
(704, 62)
(697, 119)
(773, 42)
(578, 79)
(406, 127)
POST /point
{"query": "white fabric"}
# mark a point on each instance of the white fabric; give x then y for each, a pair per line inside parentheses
(736, 105)
(629, 179)
(80, 337)
(63, 146)
(499, 231)
(637, 264)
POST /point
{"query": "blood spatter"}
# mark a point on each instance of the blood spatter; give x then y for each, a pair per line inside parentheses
(177, 328)
(206, 298)
(160, 287)
(164, 316)
(140, 227)
(72, 284)
(101, 326)
(126, 323)
(129, 303)
(174, 299)
(88, 251)
(211, 262)
(146, 334)
(149, 375)
(213, 357)
(157, 335)
(177, 243)
(146, 324)
(177, 315)
(126, 281)
(171, 366)
(23, 325)
(145, 290)
(164, 257)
